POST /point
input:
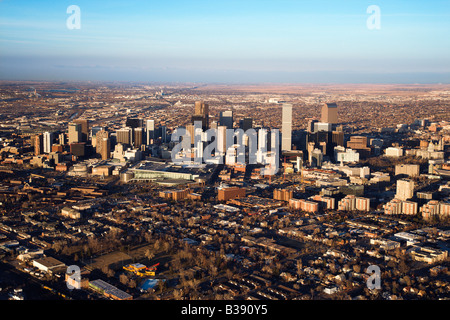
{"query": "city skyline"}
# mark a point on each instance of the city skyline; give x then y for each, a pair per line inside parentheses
(95, 204)
(230, 42)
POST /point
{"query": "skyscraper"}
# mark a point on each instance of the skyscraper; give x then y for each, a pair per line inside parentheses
(222, 140)
(134, 122)
(96, 129)
(84, 129)
(75, 133)
(201, 113)
(38, 142)
(330, 113)
(338, 138)
(62, 138)
(286, 128)
(226, 119)
(138, 137)
(47, 142)
(150, 131)
(163, 134)
(106, 148)
(99, 139)
(246, 123)
(124, 135)
(311, 125)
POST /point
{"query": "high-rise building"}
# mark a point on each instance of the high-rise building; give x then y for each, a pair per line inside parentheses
(226, 119)
(134, 122)
(329, 113)
(286, 128)
(283, 194)
(337, 138)
(84, 129)
(138, 137)
(323, 126)
(125, 136)
(150, 131)
(201, 113)
(38, 143)
(316, 158)
(310, 148)
(99, 139)
(47, 142)
(311, 125)
(163, 134)
(351, 202)
(246, 123)
(62, 138)
(94, 131)
(106, 148)
(75, 134)
(405, 189)
(78, 149)
(222, 140)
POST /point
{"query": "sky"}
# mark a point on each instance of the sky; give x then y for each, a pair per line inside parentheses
(227, 41)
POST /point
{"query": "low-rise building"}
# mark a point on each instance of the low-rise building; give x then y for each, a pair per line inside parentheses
(48, 264)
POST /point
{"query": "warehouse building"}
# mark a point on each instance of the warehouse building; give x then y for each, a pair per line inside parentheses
(109, 290)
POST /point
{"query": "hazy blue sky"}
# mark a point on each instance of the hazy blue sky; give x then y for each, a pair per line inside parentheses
(226, 41)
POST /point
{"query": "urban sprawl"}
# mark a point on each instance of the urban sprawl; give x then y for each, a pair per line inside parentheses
(94, 204)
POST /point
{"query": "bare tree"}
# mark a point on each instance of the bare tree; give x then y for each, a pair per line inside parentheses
(123, 279)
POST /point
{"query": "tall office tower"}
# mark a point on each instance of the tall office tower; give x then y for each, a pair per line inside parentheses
(338, 138)
(75, 134)
(191, 130)
(99, 139)
(222, 140)
(94, 131)
(163, 134)
(150, 131)
(62, 138)
(201, 113)
(286, 128)
(316, 158)
(38, 143)
(138, 137)
(47, 142)
(78, 149)
(311, 125)
(84, 129)
(323, 126)
(246, 123)
(263, 145)
(405, 189)
(330, 113)
(310, 149)
(134, 122)
(106, 148)
(226, 119)
(125, 136)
